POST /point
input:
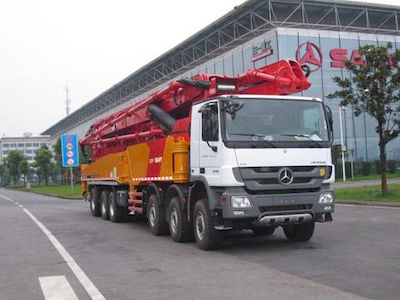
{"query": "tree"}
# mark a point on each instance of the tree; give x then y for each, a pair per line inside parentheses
(23, 168)
(13, 160)
(43, 163)
(4, 174)
(58, 170)
(374, 88)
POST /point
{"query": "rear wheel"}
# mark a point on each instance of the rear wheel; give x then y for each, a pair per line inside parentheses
(95, 202)
(116, 212)
(156, 217)
(299, 232)
(179, 227)
(204, 231)
(104, 204)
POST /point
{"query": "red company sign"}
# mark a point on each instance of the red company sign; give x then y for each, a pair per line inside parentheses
(311, 54)
(262, 50)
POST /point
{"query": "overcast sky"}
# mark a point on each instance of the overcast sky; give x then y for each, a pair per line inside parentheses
(88, 45)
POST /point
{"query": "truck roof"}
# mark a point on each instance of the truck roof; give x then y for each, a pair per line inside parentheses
(283, 97)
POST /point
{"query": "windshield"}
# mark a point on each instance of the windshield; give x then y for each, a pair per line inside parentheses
(272, 121)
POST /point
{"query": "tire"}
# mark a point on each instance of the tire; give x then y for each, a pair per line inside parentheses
(95, 202)
(156, 217)
(207, 237)
(299, 232)
(263, 231)
(104, 205)
(179, 227)
(116, 213)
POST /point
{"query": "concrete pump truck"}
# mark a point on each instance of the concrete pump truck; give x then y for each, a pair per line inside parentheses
(214, 153)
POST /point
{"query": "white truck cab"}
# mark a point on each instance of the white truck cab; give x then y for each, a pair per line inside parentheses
(263, 161)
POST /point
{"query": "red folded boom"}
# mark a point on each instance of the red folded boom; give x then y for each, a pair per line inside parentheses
(138, 122)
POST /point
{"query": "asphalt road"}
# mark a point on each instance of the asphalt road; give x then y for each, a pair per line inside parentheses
(357, 256)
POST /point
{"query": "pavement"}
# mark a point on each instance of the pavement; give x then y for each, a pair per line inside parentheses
(51, 248)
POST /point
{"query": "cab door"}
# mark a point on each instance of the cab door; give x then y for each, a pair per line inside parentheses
(210, 143)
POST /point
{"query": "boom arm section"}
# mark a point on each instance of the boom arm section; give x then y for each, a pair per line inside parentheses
(167, 111)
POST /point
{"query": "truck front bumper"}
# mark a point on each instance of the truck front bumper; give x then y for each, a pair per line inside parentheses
(278, 209)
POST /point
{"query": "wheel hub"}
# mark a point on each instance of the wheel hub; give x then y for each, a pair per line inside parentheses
(200, 224)
(111, 210)
(174, 221)
(103, 208)
(152, 216)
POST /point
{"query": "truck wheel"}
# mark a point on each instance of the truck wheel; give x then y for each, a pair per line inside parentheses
(263, 231)
(94, 202)
(156, 217)
(104, 204)
(299, 232)
(179, 227)
(204, 231)
(116, 212)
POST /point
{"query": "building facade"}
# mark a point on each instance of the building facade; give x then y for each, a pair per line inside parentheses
(321, 34)
(27, 145)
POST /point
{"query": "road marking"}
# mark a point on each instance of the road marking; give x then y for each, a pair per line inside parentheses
(368, 206)
(57, 288)
(88, 285)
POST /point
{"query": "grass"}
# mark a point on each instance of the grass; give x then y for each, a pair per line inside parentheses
(369, 193)
(54, 190)
(369, 177)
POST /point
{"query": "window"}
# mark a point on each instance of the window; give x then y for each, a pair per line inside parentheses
(21, 145)
(28, 144)
(35, 144)
(209, 124)
(6, 145)
(42, 144)
(5, 152)
(13, 145)
(30, 158)
(28, 151)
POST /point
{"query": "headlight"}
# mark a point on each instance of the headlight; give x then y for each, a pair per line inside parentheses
(240, 202)
(325, 198)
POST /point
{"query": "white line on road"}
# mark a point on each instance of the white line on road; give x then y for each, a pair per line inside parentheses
(57, 288)
(90, 288)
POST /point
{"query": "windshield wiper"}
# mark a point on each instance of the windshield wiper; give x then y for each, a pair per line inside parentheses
(259, 142)
(304, 136)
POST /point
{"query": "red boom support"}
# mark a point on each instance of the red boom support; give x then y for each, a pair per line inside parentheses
(135, 123)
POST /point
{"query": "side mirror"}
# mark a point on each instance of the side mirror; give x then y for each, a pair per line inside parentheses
(329, 115)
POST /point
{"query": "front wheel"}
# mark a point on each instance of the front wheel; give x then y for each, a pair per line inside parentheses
(299, 232)
(204, 231)
(179, 227)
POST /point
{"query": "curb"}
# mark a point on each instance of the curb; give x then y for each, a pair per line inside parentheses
(368, 203)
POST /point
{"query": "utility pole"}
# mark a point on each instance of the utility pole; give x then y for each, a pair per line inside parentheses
(67, 100)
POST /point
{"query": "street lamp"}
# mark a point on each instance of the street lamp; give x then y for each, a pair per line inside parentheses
(342, 146)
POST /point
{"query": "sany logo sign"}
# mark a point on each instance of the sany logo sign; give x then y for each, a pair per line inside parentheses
(310, 54)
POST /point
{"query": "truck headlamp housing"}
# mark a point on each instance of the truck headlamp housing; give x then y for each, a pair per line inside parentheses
(325, 198)
(240, 202)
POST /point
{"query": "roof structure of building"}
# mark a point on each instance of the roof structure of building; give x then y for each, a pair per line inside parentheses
(242, 24)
